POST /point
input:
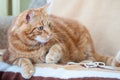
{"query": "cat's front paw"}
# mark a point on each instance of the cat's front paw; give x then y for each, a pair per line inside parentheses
(54, 54)
(50, 59)
(27, 68)
(53, 57)
(28, 74)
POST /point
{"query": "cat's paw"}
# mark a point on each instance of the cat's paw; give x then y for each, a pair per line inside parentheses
(27, 68)
(51, 59)
(54, 54)
(27, 74)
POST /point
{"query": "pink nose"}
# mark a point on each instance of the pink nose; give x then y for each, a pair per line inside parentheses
(50, 34)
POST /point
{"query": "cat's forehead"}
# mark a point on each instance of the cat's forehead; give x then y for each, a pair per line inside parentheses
(38, 12)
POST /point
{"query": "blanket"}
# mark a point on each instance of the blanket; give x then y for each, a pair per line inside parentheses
(59, 72)
(71, 71)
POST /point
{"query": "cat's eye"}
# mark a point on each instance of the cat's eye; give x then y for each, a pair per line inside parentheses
(49, 24)
(40, 28)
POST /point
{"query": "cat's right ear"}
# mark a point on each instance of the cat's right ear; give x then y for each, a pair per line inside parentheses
(28, 16)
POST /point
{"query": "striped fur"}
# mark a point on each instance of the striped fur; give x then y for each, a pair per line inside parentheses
(59, 40)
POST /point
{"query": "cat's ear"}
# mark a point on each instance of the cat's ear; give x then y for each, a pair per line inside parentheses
(28, 16)
(46, 8)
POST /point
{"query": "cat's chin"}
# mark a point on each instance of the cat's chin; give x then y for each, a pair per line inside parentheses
(41, 40)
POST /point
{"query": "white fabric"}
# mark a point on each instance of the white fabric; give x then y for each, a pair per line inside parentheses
(61, 72)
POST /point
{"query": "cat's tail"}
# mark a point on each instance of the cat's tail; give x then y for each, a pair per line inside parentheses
(109, 60)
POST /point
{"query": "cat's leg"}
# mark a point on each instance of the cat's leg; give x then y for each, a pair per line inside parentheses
(26, 66)
(54, 54)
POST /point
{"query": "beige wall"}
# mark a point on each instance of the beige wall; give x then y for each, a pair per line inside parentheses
(101, 17)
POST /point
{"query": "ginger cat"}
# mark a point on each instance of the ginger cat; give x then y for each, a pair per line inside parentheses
(36, 37)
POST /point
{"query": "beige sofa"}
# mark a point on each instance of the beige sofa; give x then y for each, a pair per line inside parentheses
(5, 22)
(103, 25)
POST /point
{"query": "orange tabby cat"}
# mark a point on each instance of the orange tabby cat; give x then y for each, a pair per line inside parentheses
(36, 37)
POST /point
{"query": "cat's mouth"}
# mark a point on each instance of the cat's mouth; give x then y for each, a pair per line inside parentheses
(42, 40)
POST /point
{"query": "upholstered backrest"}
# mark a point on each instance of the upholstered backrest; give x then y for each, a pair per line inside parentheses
(101, 17)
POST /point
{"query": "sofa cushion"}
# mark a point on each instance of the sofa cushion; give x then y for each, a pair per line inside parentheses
(5, 22)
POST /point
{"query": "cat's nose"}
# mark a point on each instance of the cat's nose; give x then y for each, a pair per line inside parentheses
(50, 34)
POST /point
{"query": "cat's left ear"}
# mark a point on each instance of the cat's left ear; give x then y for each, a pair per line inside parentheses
(46, 8)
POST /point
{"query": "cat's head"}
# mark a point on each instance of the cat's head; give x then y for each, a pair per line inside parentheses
(34, 24)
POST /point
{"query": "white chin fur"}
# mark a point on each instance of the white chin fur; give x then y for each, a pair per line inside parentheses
(41, 40)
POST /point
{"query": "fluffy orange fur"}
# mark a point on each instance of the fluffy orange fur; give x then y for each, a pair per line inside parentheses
(36, 37)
